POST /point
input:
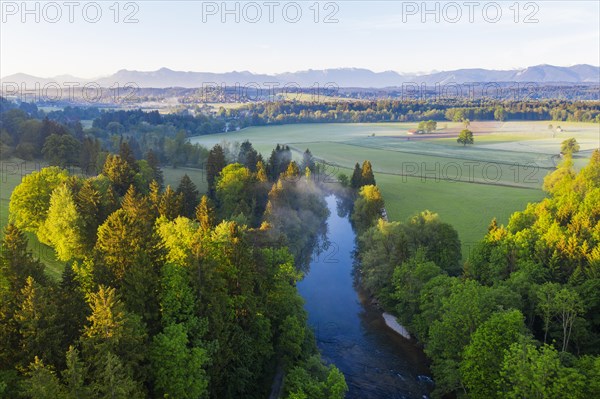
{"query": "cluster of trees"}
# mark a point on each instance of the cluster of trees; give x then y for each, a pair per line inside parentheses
(279, 195)
(296, 213)
(427, 126)
(194, 125)
(62, 141)
(361, 176)
(519, 319)
(29, 138)
(165, 294)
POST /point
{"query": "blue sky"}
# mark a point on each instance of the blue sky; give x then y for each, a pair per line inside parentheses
(377, 35)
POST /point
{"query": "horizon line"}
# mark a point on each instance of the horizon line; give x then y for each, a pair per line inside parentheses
(419, 73)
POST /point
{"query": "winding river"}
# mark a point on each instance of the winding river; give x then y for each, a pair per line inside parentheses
(351, 333)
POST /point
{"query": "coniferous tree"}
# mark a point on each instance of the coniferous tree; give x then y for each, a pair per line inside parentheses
(280, 158)
(127, 155)
(119, 172)
(110, 202)
(89, 204)
(37, 323)
(120, 241)
(261, 192)
(273, 164)
(41, 381)
(214, 164)
(356, 180)
(16, 266)
(17, 262)
(88, 155)
(113, 380)
(248, 156)
(292, 172)
(366, 175)
(261, 172)
(130, 201)
(111, 330)
(129, 256)
(170, 204)
(189, 196)
(72, 307)
(205, 214)
(154, 194)
(308, 161)
(139, 207)
(154, 164)
(74, 376)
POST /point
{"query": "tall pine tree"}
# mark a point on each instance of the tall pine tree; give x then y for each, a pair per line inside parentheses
(189, 196)
(356, 180)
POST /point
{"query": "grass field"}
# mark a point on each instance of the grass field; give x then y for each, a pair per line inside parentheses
(172, 176)
(467, 207)
(467, 186)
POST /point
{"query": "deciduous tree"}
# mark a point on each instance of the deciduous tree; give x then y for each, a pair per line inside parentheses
(465, 137)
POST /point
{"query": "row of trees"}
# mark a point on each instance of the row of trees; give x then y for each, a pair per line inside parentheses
(287, 112)
(519, 320)
(165, 294)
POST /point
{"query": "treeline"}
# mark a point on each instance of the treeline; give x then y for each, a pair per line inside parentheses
(288, 112)
(165, 293)
(519, 319)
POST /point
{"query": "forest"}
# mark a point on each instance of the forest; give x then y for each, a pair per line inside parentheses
(165, 293)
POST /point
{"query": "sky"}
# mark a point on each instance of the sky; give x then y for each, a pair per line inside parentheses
(92, 39)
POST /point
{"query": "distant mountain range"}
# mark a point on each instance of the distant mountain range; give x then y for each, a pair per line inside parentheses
(342, 77)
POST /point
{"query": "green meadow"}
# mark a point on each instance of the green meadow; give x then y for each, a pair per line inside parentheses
(467, 186)
(172, 176)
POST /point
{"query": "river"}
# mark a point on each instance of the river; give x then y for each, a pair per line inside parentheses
(351, 333)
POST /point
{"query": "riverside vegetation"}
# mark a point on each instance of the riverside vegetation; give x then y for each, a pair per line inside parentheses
(519, 319)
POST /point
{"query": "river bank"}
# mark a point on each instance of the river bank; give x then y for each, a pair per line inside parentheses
(392, 322)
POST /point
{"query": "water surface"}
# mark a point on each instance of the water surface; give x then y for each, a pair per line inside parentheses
(351, 333)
